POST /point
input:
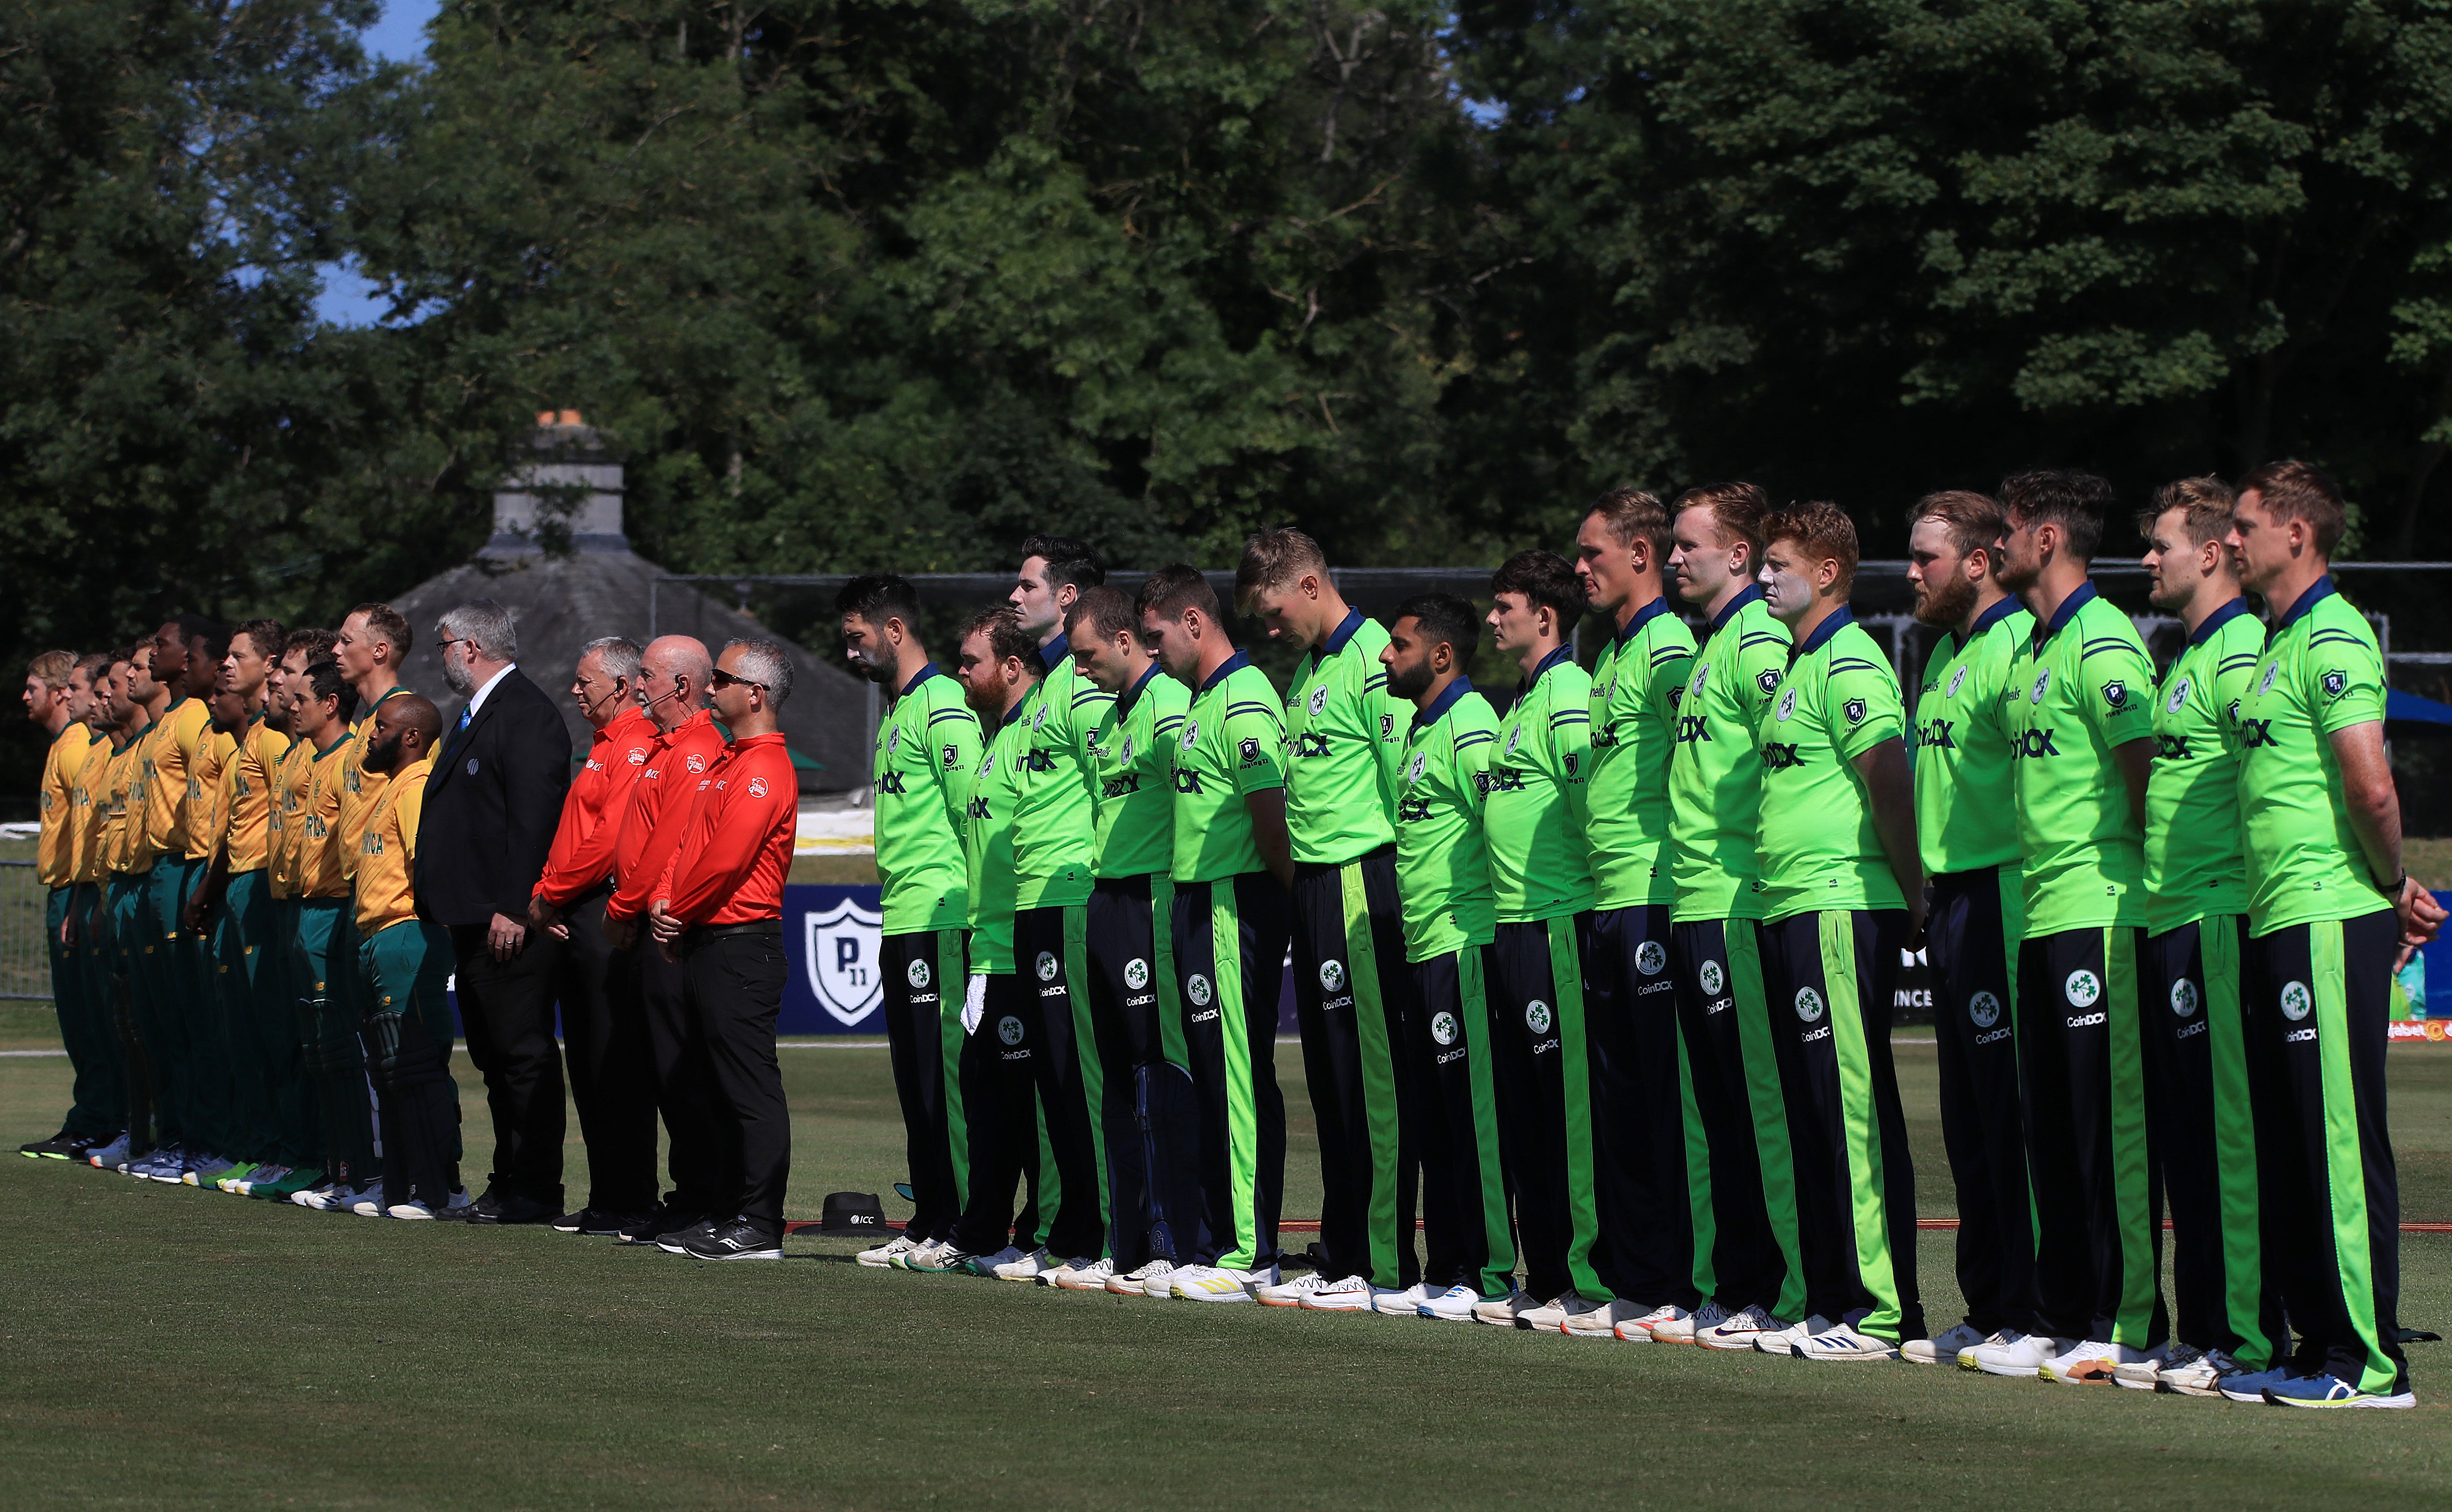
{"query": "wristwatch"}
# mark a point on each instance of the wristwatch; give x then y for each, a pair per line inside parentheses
(2399, 885)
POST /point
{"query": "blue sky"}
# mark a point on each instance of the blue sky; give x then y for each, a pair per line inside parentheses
(399, 35)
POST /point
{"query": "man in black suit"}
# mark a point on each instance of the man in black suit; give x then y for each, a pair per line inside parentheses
(490, 811)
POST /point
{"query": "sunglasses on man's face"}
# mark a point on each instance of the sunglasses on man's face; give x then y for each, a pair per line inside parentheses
(727, 679)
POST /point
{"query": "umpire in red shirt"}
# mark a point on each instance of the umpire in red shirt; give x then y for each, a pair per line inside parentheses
(720, 908)
(604, 1045)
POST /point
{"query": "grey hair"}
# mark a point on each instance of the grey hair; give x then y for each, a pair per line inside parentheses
(619, 655)
(767, 663)
(492, 629)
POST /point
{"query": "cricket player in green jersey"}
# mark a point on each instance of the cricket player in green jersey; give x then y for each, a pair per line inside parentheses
(1842, 891)
(1740, 1179)
(1641, 1097)
(927, 746)
(2331, 912)
(1443, 874)
(1002, 1021)
(1348, 935)
(1966, 827)
(1541, 882)
(1146, 1108)
(2199, 1116)
(2083, 727)
(1051, 923)
(1232, 867)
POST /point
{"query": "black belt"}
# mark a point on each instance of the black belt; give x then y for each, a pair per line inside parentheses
(701, 935)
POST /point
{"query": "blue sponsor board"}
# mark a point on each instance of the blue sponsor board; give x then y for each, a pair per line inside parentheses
(831, 936)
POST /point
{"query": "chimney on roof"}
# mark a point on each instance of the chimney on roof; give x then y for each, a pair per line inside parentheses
(564, 481)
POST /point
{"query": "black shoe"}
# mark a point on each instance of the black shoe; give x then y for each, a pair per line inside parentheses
(491, 1208)
(602, 1224)
(56, 1148)
(663, 1221)
(677, 1241)
(735, 1238)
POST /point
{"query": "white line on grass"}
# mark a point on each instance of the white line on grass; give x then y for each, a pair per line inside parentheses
(24, 1055)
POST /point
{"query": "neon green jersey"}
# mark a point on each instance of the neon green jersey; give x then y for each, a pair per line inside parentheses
(1819, 848)
(2080, 692)
(2194, 866)
(1055, 830)
(1442, 861)
(1966, 814)
(1716, 777)
(927, 746)
(1131, 763)
(988, 810)
(1232, 745)
(1343, 737)
(1637, 687)
(1536, 812)
(2321, 672)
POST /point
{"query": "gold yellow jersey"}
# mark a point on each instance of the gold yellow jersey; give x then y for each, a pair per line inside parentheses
(285, 821)
(87, 797)
(247, 795)
(123, 814)
(136, 850)
(358, 785)
(55, 848)
(387, 847)
(320, 843)
(179, 734)
(213, 754)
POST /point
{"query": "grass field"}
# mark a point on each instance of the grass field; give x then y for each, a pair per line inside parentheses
(175, 1348)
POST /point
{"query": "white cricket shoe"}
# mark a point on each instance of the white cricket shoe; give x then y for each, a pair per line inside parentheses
(1291, 1294)
(1455, 1304)
(1220, 1283)
(1843, 1341)
(1685, 1328)
(1783, 1342)
(1080, 1275)
(885, 1256)
(2017, 1354)
(1029, 1268)
(1646, 1328)
(2143, 1373)
(1738, 1329)
(2092, 1361)
(372, 1203)
(1550, 1317)
(1603, 1320)
(2197, 1374)
(412, 1210)
(1145, 1281)
(1388, 1301)
(930, 1255)
(1353, 1294)
(1942, 1347)
(1505, 1312)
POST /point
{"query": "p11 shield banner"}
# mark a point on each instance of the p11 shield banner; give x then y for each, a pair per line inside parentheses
(831, 936)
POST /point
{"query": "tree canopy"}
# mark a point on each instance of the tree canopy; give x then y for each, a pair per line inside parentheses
(892, 283)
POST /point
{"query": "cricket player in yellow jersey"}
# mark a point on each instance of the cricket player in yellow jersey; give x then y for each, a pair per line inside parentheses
(142, 928)
(279, 996)
(89, 694)
(209, 1030)
(46, 698)
(372, 640)
(119, 839)
(319, 709)
(403, 963)
(268, 1096)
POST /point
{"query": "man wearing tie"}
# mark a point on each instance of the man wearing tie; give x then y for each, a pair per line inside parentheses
(491, 806)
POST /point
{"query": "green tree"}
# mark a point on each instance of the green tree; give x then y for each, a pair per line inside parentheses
(1873, 248)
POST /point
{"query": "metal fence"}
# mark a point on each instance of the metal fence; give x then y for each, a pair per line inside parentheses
(24, 956)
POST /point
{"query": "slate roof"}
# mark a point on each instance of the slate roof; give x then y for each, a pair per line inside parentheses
(600, 589)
